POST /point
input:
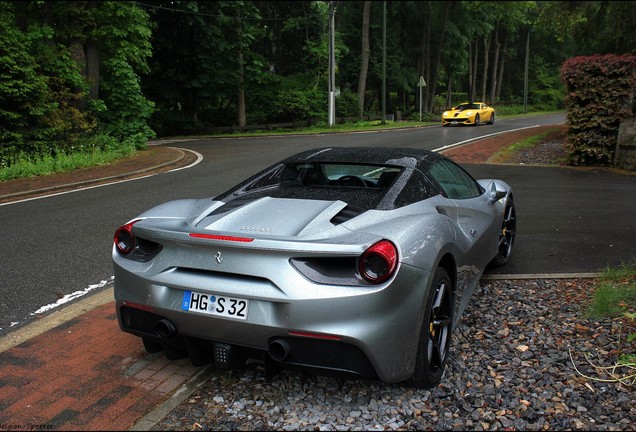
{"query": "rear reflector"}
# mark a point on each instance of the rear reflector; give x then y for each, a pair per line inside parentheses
(221, 237)
(315, 335)
(138, 306)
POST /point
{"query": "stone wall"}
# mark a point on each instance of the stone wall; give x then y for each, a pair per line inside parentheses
(625, 156)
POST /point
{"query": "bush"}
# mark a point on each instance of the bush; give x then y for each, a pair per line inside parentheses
(285, 99)
(426, 117)
(347, 104)
(600, 92)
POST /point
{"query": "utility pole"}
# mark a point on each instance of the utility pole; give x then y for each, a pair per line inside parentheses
(525, 75)
(384, 63)
(332, 65)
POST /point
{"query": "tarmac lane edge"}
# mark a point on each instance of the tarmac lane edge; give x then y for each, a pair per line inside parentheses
(57, 318)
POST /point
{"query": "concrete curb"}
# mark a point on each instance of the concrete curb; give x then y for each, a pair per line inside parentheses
(155, 416)
(540, 276)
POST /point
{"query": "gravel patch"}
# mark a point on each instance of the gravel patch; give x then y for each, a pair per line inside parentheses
(512, 367)
(549, 151)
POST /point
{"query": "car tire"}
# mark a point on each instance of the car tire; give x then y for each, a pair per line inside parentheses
(492, 119)
(506, 235)
(435, 335)
(477, 119)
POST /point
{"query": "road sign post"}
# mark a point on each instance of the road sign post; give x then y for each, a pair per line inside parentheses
(421, 84)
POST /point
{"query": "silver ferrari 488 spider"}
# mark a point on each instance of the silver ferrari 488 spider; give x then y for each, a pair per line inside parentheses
(355, 260)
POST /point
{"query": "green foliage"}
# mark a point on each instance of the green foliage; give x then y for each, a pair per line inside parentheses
(600, 90)
(44, 91)
(616, 293)
(97, 151)
(347, 104)
(128, 110)
(547, 90)
(426, 117)
(285, 99)
(176, 67)
(25, 99)
(125, 43)
(292, 104)
(593, 27)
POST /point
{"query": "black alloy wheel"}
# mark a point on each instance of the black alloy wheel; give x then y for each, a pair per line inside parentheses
(477, 120)
(435, 336)
(506, 235)
(492, 119)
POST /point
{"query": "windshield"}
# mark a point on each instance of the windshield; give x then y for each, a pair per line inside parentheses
(344, 175)
(467, 106)
(361, 185)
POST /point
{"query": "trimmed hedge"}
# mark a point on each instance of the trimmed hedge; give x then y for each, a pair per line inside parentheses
(600, 93)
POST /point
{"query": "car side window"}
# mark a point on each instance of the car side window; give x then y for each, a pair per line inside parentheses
(456, 183)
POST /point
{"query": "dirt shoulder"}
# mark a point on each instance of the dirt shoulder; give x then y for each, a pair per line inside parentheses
(549, 151)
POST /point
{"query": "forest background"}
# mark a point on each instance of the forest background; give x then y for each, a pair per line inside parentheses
(103, 77)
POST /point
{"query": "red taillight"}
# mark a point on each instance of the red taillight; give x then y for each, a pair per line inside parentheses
(125, 239)
(378, 263)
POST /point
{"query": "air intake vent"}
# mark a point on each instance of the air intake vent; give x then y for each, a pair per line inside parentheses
(347, 213)
(232, 205)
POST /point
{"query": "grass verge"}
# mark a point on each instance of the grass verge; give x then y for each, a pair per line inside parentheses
(26, 167)
(615, 297)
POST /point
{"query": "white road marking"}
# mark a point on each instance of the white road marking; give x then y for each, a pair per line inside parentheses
(196, 162)
(74, 295)
(480, 138)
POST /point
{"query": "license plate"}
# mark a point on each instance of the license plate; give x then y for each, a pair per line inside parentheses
(213, 304)
(454, 122)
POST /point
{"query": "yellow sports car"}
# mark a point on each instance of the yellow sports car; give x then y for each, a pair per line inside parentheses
(469, 114)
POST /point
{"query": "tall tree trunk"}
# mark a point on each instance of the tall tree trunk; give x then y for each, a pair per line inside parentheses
(241, 118)
(76, 48)
(495, 65)
(484, 75)
(91, 51)
(449, 91)
(471, 84)
(473, 91)
(438, 55)
(501, 69)
(240, 105)
(362, 79)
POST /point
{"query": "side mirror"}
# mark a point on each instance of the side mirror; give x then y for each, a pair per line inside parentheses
(496, 194)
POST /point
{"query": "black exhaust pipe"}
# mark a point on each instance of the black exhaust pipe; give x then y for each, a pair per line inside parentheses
(279, 350)
(165, 329)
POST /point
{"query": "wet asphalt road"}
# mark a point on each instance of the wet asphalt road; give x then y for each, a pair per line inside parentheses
(569, 220)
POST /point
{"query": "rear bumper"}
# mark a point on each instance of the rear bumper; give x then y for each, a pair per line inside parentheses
(366, 331)
(307, 352)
